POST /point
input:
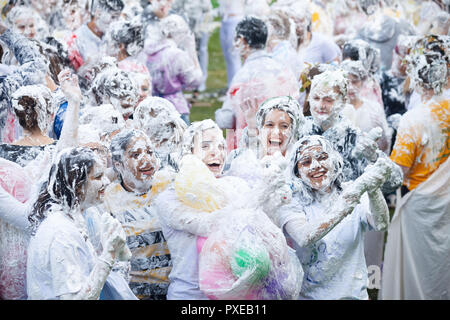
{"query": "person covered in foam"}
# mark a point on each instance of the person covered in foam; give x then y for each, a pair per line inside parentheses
(159, 119)
(367, 114)
(27, 21)
(325, 222)
(261, 77)
(62, 263)
(85, 44)
(173, 69)
(195, 211)
(422, 149)
(127, 42)
(271, 133)
(129, 199)
(117, 87)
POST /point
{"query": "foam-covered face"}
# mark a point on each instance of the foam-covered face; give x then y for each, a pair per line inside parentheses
(96, 184)
(241, 47)
(315, 168)
(104, 18)
(325, 103)
(139, 164)
(161, 8)
(126, 96)
(210, 148)
(144, 89)
(354, 87)
(276, 132)
(73, 16)
(26, 26)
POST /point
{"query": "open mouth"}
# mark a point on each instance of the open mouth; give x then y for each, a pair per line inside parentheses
(275, 143)
(147, 171)
(214, 166)
(318, 174)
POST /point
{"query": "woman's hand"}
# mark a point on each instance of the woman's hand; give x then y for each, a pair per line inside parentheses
(69, 86)
(113, 239)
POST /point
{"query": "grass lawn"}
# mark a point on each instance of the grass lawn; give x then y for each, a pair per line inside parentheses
(217, 81)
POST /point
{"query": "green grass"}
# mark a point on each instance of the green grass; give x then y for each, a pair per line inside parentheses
(216, 81)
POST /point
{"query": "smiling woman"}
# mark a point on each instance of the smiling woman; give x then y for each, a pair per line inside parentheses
(325, 223)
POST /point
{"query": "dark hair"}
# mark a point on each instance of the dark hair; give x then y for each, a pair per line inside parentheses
(56, 56)
(64, 185)
(110, 5)
(28, 116)
(254, 31)
(129, 33)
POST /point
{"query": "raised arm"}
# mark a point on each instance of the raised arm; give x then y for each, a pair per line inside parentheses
(13, 211)
(72, 92)
(179, 216)
(113, 243)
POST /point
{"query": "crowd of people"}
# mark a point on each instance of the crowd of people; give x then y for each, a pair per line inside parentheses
(336, 112)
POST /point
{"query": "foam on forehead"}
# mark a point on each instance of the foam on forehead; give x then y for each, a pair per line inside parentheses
(313, 141)
(121, 142)
(283, 103)
(19, 12)
(174, 24)
(329, 80)
(355, 68)
(194, 129)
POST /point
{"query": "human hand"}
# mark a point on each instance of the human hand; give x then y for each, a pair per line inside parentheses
(69, 86)
(113, 238)
(366, 145)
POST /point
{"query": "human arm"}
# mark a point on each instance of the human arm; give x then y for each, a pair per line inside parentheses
(379, 211)
(306, 232)
(180, 216)
(13, 211)
(72, 92)
(113, 240)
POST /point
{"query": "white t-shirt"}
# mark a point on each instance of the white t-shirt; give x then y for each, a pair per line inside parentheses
(184, 281)
(59, 259)
(334, 266)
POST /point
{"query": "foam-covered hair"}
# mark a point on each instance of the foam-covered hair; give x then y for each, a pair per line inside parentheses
(361, 50)
(254, 31)
(130, 33)
(196, 128)
(332, 79)
(304, 191)
(429, 62)
(369, 6)
(355, 68)
(67, 178)
(286, 104)
(19, 11)
(173, 24)
(109, 5)
(160, 119)
(28, 100)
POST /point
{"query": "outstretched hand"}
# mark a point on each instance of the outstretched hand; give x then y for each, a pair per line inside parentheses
(69, 85)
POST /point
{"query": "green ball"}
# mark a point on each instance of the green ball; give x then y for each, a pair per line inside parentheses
(255, 259)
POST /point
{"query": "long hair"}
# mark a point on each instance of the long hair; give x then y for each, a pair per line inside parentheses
(65, 184)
